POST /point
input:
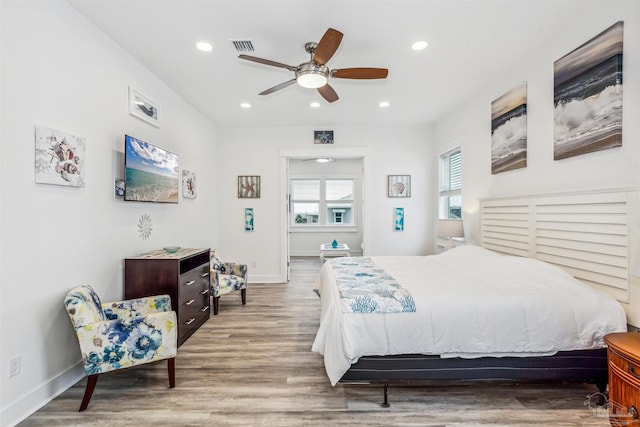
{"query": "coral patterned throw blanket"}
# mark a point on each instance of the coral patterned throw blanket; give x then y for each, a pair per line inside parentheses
(364, 287)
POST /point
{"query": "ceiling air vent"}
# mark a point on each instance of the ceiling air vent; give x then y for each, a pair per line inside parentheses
(243, 45)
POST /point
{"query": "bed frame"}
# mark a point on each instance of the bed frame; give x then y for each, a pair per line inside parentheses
(586, 233)
(588, 366)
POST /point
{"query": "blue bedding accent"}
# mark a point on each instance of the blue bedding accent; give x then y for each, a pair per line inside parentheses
(366, 288)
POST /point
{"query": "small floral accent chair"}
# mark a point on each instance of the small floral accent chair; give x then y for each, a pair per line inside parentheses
(121, 334)
(227, 277)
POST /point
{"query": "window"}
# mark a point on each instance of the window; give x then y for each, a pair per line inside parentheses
(322, 201)
(451, 185)
(305, 197)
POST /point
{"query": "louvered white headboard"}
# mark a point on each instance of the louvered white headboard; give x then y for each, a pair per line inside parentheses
(587, 233)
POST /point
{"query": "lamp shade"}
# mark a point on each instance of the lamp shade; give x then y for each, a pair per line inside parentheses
(450, 228)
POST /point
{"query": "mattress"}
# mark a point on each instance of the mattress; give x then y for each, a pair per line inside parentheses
(469, 302)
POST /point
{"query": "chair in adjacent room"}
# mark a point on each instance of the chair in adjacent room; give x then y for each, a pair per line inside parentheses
(122, 334)
(227, 277)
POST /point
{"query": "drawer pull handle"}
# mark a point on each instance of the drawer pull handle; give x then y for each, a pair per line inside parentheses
(190, 321)
(204, 309)
(191, 301)
(632, 371)
(206, 291)
(190, 282)
(203, 275)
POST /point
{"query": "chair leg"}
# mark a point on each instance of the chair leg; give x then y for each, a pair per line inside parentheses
(88, 392)
(171, 367)
(216, 301)
(243, 293)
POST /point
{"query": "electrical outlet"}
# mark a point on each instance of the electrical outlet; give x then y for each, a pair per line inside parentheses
(253, 264)
(15, 365)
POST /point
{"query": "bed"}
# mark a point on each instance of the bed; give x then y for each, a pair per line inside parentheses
(479, 315)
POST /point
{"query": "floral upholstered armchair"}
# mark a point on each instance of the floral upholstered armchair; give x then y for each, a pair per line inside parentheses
(227, 277)
(121, 334)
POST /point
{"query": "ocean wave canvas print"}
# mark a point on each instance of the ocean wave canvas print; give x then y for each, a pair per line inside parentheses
(509, 130)
(588, 96)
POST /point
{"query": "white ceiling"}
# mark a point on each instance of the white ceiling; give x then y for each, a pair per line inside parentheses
(468, 41)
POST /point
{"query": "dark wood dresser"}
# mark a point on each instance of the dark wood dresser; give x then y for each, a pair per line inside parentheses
(184, 276)
(624, 377)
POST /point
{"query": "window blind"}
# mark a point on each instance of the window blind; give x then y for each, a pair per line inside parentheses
(451, 173)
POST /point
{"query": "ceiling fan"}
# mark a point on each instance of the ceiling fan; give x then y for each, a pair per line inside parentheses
(315, 74)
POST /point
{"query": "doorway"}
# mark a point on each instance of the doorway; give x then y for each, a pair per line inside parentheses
(305, 237)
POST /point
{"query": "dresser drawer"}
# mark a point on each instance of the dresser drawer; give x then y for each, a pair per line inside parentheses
(193, 298)
(624, 377)
(194, 282)
(627, 368)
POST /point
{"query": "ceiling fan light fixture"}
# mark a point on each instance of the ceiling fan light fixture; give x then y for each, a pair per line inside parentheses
(311, 80)
(312, 76)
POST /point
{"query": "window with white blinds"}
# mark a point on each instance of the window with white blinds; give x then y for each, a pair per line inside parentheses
(451, 184)
(322, 201)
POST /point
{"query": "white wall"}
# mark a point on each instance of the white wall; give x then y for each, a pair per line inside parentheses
(58, 70)
(390, 150)
(470, 125)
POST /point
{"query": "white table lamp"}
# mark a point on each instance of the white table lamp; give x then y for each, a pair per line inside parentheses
(449, 228)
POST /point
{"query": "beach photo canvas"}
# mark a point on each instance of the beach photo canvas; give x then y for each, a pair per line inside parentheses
(151, 173)
(588, 96)
(509, 130)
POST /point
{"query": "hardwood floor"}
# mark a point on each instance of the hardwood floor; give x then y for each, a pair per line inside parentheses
(252, 365)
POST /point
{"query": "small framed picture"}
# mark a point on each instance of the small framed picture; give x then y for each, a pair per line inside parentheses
(248, 219)
(323, 137)
(59, 157)
(248, 187)
(399, 185)
(143, 108)
(398, 219)
(189, 184)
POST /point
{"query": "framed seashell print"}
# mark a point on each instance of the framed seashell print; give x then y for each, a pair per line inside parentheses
(399, 185)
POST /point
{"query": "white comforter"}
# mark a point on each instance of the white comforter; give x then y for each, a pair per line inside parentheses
(470, 302)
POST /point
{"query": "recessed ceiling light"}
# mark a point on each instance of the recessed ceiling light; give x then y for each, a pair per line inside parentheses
(384, 104)
(245, 105)
(204, 46)
(419, 45)
(314, 105)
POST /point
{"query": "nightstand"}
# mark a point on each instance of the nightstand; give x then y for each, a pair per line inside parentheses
(624, 377)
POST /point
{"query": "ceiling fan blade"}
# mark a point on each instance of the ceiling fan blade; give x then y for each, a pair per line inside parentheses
(327, 46)
(278, 87)
(267, 62)
(328, 93)
(360, 73)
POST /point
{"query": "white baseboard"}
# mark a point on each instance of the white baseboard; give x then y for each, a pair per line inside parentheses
(30, 402)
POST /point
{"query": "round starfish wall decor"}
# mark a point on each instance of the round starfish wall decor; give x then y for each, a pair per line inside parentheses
(144, 227)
